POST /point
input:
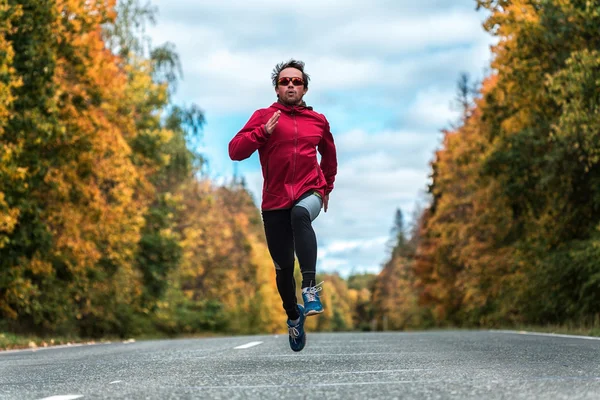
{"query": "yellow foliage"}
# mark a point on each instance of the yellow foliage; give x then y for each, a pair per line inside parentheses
(39, 267)
(8, 216)
(271, 314)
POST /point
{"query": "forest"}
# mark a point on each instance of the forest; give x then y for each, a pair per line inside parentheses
(109, 225)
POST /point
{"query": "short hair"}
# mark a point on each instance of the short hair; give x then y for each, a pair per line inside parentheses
(299, 65)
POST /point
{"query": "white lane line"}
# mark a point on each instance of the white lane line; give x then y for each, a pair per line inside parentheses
(113, 382)
(353, 345)
(322, 384)
(312, 355)
(248, 345)
(347, 341)
(383, 371)
(548, 334)
(64, 397)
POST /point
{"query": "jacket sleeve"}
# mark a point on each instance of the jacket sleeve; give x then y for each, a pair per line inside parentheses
(328, 158)
(252, 136)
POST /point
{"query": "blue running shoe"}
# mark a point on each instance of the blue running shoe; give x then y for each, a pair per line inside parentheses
(297, 334)
(312, 302)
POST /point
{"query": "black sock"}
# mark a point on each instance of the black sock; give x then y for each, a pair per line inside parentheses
(308, 279)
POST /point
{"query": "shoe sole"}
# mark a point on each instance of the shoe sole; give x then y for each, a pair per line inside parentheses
(313, 312)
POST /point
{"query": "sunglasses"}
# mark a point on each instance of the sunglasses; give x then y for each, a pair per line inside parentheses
(295, 81)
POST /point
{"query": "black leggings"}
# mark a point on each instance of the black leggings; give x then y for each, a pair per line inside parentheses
(287, 231)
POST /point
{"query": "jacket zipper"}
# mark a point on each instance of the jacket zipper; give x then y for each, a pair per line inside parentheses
(295, 152)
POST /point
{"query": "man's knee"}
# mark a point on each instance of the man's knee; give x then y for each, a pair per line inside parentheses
(284, 270)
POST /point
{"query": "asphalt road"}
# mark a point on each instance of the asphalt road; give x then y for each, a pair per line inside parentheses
(430, 365)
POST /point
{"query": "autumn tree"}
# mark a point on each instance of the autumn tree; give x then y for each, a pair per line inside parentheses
(511, 231)
(87, 159)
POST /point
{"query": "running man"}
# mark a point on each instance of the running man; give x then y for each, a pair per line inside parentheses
(287, 135)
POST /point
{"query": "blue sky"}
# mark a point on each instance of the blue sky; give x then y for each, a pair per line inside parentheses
(383, 72)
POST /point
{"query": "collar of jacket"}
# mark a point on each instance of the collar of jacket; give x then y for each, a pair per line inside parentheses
(289, 109)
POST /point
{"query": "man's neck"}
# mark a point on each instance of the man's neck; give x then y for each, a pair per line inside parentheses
(300, 103)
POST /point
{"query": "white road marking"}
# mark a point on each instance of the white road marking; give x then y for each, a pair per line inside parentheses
(320, 384)
(64, 397)
(248, 345)
(548, 334)
(313, 355)
(387, 371)
(113, 382)
(331, 345)
(348, 341)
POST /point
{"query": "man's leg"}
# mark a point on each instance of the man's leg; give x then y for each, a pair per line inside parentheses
(303, 213)
(280, 240)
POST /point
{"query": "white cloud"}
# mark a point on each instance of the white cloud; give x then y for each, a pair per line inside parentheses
(391, 33)
(359, 141)
(273, 13)
(342, 246)
(352, 256)
(227, 81)
(228, 49)
(432, 108)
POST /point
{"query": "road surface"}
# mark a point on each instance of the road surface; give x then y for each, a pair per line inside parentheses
(424, 365)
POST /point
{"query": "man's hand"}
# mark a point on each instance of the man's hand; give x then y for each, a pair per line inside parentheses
(272, 123)
(325, 202)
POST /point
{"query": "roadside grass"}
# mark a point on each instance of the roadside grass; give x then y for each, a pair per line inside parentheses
(11, 341)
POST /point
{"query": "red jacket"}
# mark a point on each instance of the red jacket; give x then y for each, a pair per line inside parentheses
(288, 156)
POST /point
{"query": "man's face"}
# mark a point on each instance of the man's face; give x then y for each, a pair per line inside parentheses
(289, 93)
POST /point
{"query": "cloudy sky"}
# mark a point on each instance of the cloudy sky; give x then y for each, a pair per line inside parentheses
(383, 72)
